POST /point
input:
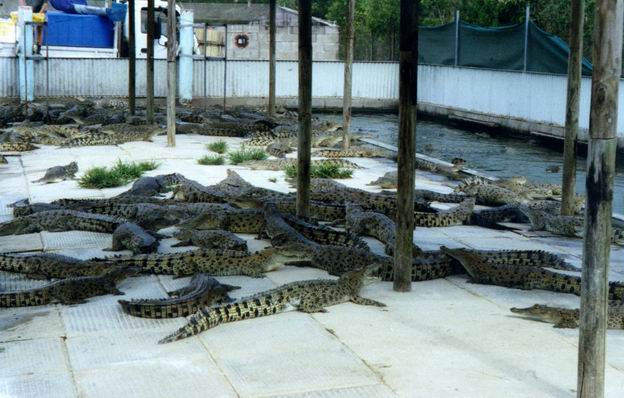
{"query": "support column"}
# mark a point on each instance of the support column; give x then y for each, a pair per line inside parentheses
(26, 67)
(572, 107)
(149, 110)
(607, 56)
(457, 22)
(131, 59)
(185, 74)
(171, 73)
(305, 108)
(527, 19)
(408, 80)
(348, 74)
(272, 59)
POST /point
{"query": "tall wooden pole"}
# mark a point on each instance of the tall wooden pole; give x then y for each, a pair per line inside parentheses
(171, 73)
(149, 109)
(572, 107)
(305, 107)
(348, 72)
(607, 56)
(408, 80)
(131, 59)
(272, 59)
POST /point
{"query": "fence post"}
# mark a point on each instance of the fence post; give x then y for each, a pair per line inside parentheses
(272, 60)
(527, 20)
(225, 50)
(575, 61)
(131, 58)
(149, 108)
(457, 16)
(305, 108)
(25, 62)
(348, 74)
(186, 62)
(607, 56)
(171, 73)
(408, 80)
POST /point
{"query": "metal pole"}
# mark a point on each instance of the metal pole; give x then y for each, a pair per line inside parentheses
(131, 58)
(527, 19)
(607, 56)
(205, 66)
(348, 74)
(171, 72)
(225, 49)
(572, 108)
(408, 80)
(149, 110)
(457, 16)
(272, 59)
(305, 108)
(47, 90)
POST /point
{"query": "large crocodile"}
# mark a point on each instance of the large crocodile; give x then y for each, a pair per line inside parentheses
(353, 152)
(522, 277)
(211, 239)
(60, 220)
(50, 265)
(69, 291)
(281, 164)
(569, 318)
(202, 291)
(114, 134)
(280, 232)
(134, 238)
(312, 296)
(324, 235)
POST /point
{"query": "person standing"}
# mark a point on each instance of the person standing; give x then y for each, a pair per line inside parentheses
(38, 6)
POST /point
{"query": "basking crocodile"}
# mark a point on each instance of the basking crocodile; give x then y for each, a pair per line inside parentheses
(114, 134)
(522, 277)
(202, 291)
(571, 226)
(59, 173)
(489, 194)
(50, 265)
(281, 164)
(134, 238)
(353, 152)
(60, 220)
(312, 296)
(244, 221)
(219, 130)
(569, 318)
(151, 186)
(280, 232)
(212, 239)
(324, 235)
(279, 149)
(69, 291)
(374, 224)
(390, 180)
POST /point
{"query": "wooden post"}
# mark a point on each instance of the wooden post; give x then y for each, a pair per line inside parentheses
(131, 59)
(572, 108)
(527, 20)
(607, 56)
(149, 108)
(171, 73)
(272, 59)
(408, 79)
(305, 107)
(348, 73)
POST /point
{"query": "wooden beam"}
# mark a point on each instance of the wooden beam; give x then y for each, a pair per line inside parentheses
(607, 56)
(348, 73)
(172, 86)
(572, 107)
(272, 59)
(131, 58)
(408, 79)
(149, 108)
(305, 108)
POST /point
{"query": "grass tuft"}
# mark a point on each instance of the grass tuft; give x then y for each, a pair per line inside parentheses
(244, 155)
(120, 174)
(219, 147)
(322, 170)
(209, 160)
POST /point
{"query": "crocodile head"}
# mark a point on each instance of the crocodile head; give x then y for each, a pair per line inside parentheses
(358, 278)
(540, 313)
(17, 226)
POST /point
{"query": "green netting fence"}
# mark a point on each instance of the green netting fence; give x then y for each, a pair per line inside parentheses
(521, 47)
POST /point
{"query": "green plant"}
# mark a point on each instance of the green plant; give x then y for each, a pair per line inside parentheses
(218, 147)
(209, 160)
(244, 155)
(321, 170)
(120, 174)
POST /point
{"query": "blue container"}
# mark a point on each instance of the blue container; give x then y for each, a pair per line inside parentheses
(77, 30)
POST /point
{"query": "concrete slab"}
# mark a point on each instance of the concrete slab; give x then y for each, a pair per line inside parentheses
(75, 240)
(20, 243)
(49, 385)
(30, 323)
(32, 356)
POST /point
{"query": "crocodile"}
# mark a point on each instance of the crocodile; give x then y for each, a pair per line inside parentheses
(491, 195)
(222, 130)
(60, 220)
(134, 238)
(571, 226)
(353, 152)
(281, 164)
(59, 173)
(50, 265)
(324, 235)
(280, 232)
(568, 318)
(279, 149)
(244, 221)
(451, 172)
(390, 180)
(212, 239)
(17, 146)
(151, 186)
(522, 277)
(114, 134)
(47, 134)
(308, 296)
(3, 160)
(377, 225)
(202, 291)
(70, 291)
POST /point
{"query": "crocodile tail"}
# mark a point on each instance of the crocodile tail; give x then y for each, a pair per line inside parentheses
(24, 299)
(204, 319)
